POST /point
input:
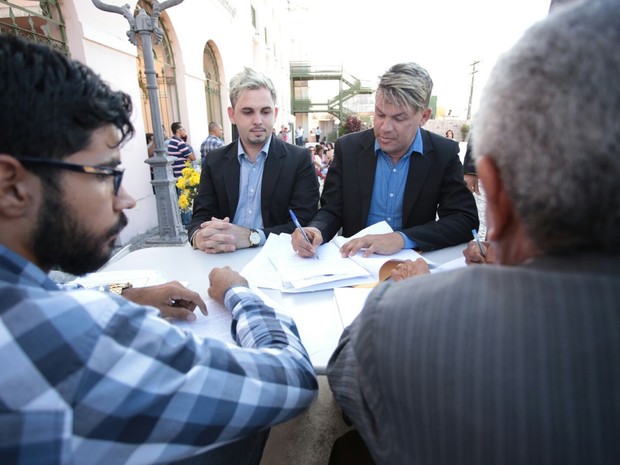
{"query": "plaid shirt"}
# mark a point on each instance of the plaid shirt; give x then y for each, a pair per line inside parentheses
(90, 378)
(210, 143)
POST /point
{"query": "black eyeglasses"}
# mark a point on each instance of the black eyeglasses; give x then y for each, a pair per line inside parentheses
(117, 173)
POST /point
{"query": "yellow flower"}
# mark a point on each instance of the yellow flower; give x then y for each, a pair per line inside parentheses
(194, 179)
(188, 183)
(183, 202)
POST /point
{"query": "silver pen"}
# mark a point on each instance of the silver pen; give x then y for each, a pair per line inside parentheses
(477, 239)
(301, 230)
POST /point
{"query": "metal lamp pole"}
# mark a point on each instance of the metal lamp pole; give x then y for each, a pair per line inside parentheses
(171, 231)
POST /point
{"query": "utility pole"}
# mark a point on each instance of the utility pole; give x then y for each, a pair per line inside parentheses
(171, 231)
(471, 89)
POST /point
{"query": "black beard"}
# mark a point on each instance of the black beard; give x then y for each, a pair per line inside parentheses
(60, 240)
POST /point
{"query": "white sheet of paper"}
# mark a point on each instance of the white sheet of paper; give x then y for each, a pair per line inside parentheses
(139, 278)
(298, 272)
(216, 324)
(350, 302)
(260, 271)
(451, 265)
(374, 262)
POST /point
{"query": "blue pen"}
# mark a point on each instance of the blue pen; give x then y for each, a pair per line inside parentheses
(301, 230)
(477, 239)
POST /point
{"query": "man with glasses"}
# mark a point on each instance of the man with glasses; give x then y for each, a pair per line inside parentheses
(88, 376)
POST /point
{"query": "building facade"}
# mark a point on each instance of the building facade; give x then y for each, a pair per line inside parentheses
(205, 43)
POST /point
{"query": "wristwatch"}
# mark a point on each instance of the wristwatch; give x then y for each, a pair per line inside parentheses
(254, 238)
(118, 288)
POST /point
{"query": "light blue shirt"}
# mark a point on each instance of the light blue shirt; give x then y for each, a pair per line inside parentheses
(389, 188)
(248, 213)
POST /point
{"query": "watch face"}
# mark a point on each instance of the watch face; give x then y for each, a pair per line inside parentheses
(254, 238)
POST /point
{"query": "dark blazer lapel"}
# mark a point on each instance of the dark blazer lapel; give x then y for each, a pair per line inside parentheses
(419, 167)
(232, 171)
(367, 167)
(273, 165)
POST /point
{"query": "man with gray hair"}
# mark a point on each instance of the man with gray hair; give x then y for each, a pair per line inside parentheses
(516, 363)
(396, 172)
(248, 187)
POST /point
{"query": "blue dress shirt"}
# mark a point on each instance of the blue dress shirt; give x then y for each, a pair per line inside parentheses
(248, 213)
(389, 188)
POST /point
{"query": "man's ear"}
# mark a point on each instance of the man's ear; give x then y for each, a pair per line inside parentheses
(426, 114)
(500, 211)
(15, 187)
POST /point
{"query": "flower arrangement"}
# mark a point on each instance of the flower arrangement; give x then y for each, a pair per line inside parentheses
(188, 183)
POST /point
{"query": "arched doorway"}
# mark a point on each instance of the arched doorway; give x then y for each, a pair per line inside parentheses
(213, 86)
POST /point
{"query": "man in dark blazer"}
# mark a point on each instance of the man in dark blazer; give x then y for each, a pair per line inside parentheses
(516, 363)
(397, 172)
(247, 187)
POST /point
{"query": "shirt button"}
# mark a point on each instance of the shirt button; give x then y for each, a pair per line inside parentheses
(251, 190)
(391, 194)
(250, 212)
(389, 219)
(394, 170)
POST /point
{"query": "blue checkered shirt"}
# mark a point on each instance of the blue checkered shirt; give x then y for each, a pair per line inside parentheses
(210, 143)
(90, 378)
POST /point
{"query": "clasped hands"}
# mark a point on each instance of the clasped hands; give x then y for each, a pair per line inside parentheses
(382, 244)
(217, 236)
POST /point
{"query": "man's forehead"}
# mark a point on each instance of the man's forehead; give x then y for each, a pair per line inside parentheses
(391, 109)
(252, 98)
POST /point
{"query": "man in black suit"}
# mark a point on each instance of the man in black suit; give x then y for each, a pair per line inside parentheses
(247, 187)
(516, 363)
(397, 172)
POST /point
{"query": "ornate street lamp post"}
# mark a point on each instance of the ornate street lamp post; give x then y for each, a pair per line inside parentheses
(171, 230)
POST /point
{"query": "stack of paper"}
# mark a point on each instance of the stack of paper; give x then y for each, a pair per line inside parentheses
(278, 267)
(330, 268)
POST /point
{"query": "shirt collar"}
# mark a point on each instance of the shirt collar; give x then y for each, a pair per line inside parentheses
(416, 146)
(241, 151)
(15, 268)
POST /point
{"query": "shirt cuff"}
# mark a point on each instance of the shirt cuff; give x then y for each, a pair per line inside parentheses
(409, 243)
(191, 239)
(236, 294)
(263, 238)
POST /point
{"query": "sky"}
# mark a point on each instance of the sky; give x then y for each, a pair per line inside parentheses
(444, 36)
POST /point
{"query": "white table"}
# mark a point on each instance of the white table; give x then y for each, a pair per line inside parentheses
(315, 313)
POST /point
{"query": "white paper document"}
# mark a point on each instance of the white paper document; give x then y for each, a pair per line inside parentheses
(216, 324)
(138, 278)
(451, 265)
(297, 272)
(350, 302)
(277, 266)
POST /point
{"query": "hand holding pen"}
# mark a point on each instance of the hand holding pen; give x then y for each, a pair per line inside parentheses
(479, 252)
(477, 239)
(299, 248)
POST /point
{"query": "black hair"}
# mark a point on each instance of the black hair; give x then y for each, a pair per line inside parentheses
(51, 105)
(174, 127)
